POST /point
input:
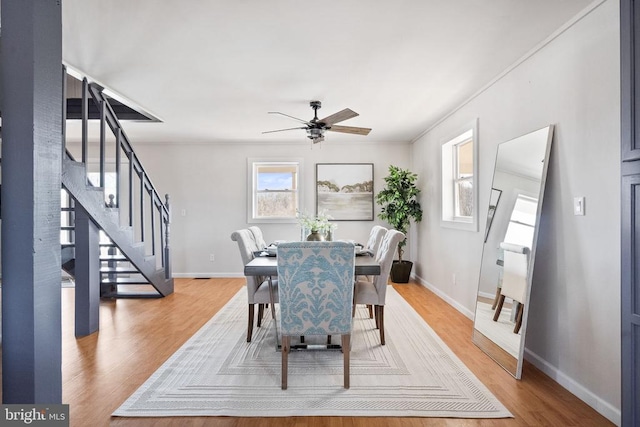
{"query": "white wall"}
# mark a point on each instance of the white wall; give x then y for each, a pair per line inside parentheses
(573, 332)
(210, 183)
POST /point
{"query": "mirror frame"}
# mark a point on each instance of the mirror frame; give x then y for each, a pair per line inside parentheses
(505, 359)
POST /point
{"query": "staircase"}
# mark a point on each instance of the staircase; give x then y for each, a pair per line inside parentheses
(134, 249)
(134, 255)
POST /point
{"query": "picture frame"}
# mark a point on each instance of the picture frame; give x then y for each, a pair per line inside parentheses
(493, 206)
(344, 191)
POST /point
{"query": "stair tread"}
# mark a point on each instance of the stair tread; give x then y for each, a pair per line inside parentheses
(131, 270)
(113, 258)
(125, 281)
(133, 294)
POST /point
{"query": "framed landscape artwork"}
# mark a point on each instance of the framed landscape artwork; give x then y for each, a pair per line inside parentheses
(345, 191)
(493, 205)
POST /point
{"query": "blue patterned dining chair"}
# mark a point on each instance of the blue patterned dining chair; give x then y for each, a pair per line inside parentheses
(373, 292)
(315, 291)
(257, 287)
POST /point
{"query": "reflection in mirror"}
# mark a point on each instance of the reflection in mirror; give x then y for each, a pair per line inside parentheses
(508, 255)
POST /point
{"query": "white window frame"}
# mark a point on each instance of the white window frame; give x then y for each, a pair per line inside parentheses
(252, 188)
(449, 178)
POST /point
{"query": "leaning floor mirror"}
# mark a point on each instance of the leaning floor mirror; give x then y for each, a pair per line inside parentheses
(508, 255)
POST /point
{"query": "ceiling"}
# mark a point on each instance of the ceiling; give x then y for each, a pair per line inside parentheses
(211, 70)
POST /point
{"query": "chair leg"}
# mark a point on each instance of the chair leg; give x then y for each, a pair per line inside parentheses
(516, 329)
(260, 314)
(370, 307)
(250, 325)
(346, 349)
(328, 339)
(285, 359)
(377, 319)
(498, 308)
(381, 323)
(516, 309)
(495, 300)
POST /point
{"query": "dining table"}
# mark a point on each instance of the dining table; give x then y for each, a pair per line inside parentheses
(365, 265)
(267, 266)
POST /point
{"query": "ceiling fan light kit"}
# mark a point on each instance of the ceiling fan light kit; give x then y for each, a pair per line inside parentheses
(316, 128)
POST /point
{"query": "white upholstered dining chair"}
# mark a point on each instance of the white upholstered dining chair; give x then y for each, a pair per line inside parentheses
(257, 287)
(373, 292)
(514, 284)
(315, 291)
(375, 238)
(258, 237)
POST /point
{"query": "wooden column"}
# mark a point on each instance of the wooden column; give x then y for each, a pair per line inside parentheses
(87, 273)
(31, 61)
(630, 197)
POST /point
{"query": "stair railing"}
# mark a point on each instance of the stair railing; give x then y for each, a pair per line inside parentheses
(141, 220)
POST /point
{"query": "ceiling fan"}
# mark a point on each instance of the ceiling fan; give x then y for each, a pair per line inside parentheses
(316, 127)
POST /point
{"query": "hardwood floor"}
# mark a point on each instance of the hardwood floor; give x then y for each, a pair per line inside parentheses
(102, 370)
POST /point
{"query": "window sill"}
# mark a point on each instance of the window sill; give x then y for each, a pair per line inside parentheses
(272, 221)
(460, 224)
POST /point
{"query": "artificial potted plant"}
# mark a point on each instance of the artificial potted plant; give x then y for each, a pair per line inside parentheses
(399, 206)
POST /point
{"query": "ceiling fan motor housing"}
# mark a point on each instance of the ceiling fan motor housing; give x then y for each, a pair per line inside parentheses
(314, 133)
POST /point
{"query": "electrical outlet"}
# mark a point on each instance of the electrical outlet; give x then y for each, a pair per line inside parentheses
(212, 257)
(183, 212)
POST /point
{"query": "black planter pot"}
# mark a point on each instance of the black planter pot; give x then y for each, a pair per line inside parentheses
(401, 271)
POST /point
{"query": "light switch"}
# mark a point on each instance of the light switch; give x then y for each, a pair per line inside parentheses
(578, 205)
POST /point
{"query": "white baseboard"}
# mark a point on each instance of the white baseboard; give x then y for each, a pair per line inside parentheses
(607, 410)
(462, 309)
(487, 295)
(204, 275)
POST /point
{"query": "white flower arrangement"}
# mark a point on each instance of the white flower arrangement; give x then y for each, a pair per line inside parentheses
(320, 223)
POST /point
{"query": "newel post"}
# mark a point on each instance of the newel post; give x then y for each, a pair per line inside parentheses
(167, 250)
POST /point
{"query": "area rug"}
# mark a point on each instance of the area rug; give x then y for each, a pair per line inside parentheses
(217, 373)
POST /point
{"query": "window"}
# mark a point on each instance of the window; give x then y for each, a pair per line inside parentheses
(109, 190)
(274, 192)
(522, 222)
(463, 178)
(459, 180)
(109, 185)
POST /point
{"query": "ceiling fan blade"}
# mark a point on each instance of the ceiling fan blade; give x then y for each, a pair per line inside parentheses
(339, 117)
(286, 115)
(282, 130)
(350, 129)
(319, 139)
